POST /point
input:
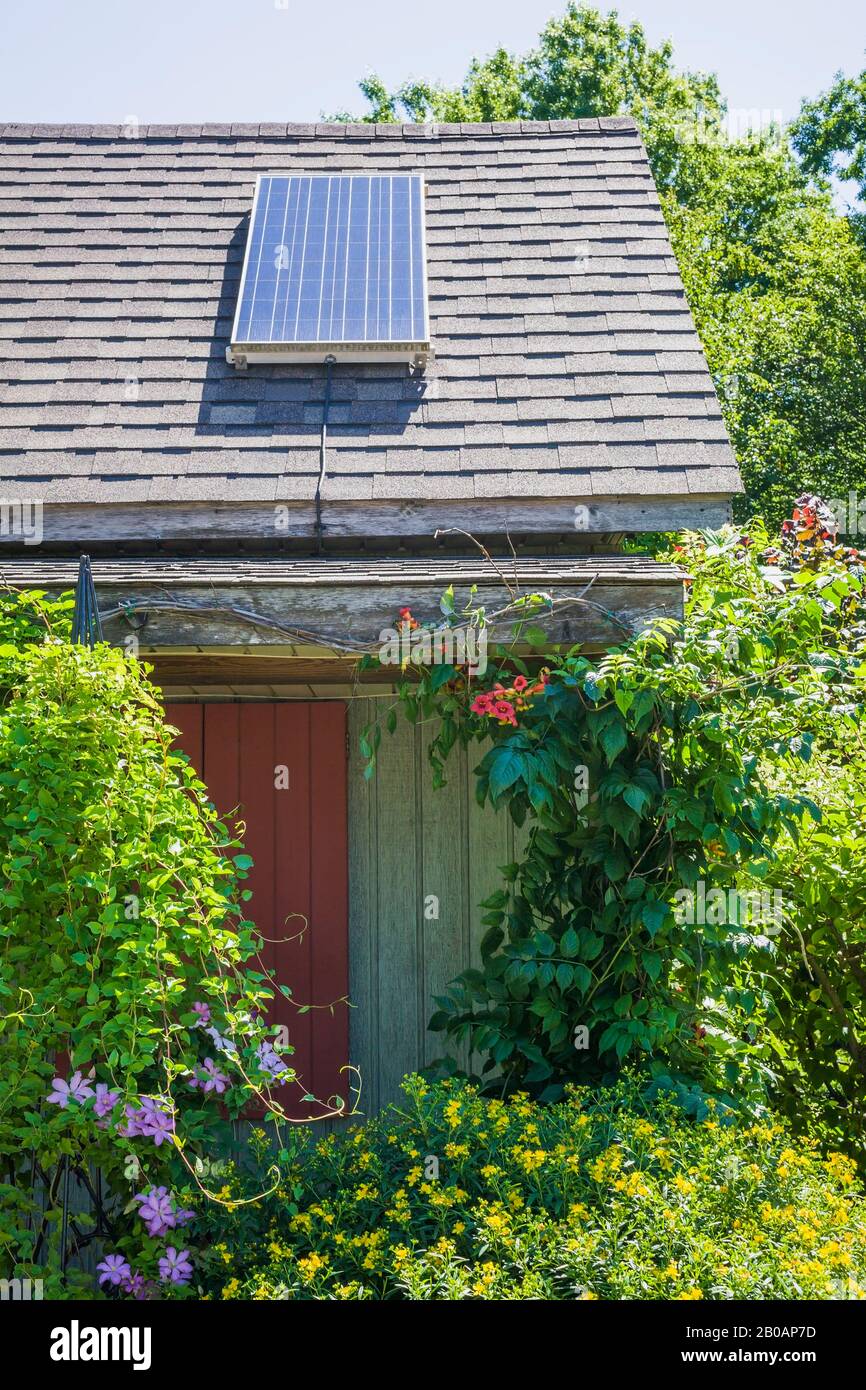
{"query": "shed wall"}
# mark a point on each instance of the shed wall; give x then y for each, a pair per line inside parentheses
(409, 843)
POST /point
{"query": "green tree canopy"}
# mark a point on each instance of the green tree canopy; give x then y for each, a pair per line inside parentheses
(830, 132)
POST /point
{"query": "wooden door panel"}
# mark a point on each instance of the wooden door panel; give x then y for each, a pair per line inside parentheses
(297, 837)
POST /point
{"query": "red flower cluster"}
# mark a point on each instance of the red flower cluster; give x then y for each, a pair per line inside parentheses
(503, 703)
(406, 619)
(810, 536)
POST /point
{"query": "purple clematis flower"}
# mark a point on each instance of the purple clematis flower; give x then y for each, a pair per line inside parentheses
(182, 1216)
(132, 1129)
(105, 1100)
(156, 1210)
(220, 1043)
(158, 1125)
(65, 1091)
(149, 1121)
(271, 1061)
(114, 1269)
(203, 1011)
(175, 1266)
(209, 1077)
(135, 1285)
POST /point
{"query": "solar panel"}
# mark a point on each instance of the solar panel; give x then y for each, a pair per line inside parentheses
(334, 265)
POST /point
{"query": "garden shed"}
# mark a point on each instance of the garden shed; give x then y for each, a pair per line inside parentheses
(258, 514)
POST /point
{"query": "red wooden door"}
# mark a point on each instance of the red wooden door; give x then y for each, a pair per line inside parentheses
(297, 837)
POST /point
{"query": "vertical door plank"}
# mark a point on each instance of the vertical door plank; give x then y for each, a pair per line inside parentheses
(329, 907)
(189, 720)
(443, 892)
(398, 907)
(293, 893)
(363, 914)
(221, 756)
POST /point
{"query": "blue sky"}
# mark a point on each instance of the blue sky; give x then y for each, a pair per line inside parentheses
(248, 60)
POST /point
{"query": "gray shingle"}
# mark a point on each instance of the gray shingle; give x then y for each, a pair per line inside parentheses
(121, 264)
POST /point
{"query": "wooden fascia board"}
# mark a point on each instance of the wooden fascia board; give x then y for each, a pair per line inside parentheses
(232, 522)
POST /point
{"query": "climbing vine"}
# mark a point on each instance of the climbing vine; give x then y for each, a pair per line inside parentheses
(646, 780)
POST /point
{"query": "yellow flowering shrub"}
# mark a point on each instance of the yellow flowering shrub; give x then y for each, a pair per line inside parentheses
(607, 1194)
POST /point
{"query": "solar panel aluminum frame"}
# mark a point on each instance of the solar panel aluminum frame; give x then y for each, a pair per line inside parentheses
(416, 352)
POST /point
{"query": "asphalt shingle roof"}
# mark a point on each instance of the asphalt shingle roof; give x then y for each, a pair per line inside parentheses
(566, 359)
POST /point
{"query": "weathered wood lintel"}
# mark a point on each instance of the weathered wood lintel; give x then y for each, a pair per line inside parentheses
(353, 618)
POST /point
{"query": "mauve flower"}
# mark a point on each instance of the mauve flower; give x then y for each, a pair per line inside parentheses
(158, 1125)
(210, 1077)
(105, 1100)
(149, 1121)
(156, 1210)
(134, 1284)
(113, 1270)
(223, 1044)
(132, 1129)
(270, 1060)
(203, 1011)
(65, 1091)
(183, 1216)
(175, 1266)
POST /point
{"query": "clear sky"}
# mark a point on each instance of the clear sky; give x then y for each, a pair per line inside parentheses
(272, 60)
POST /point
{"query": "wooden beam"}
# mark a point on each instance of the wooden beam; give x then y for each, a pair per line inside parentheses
(353, 618)
(143, 524)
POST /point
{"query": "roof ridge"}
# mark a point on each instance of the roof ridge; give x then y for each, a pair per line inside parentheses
(23, 130)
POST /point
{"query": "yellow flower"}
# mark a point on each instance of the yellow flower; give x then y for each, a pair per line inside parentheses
(841, 1168)
(689, 1294)
(231, 1288)
(530, 1159)
(309, 1267)
(452, 1113)
(606, 1164)
(497, 1223)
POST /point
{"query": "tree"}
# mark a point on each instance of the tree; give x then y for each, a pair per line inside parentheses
(830, 133)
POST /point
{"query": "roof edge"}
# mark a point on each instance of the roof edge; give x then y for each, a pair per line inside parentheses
(330, 130)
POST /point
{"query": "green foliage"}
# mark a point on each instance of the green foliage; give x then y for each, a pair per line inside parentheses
(775, 277)
(776, 281)
(615, 1194)
(28, 618)
(121, 906)
(830, 133)
(817, 1022)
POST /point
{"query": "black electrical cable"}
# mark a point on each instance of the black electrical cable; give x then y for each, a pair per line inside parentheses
(323, 452)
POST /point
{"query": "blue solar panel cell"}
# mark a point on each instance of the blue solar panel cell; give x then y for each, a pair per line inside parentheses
(334, 263)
